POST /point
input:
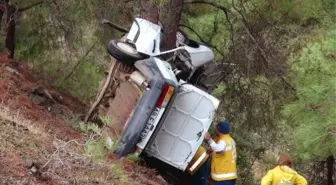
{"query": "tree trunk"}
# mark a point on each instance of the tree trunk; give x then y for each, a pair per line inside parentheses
(330, 167)
(10, 22)
(170, 16)
(10, 30)
(149, 11)
(1, 15)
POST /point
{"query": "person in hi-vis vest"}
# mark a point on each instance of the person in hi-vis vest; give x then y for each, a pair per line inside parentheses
(223, 160)
(283, 174)
(198, 167)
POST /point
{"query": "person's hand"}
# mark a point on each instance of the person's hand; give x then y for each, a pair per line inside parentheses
(209, 151)
(207, 136)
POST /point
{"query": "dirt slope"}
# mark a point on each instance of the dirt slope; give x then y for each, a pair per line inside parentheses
(38, 147)
(20, 92)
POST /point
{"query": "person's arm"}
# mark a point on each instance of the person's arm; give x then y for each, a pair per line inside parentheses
(216, 147)
(267, 179)
(299, 180)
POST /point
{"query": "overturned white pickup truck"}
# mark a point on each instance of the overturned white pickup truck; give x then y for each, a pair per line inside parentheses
(156, 107)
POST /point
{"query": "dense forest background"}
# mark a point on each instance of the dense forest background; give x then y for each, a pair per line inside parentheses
(277, 63)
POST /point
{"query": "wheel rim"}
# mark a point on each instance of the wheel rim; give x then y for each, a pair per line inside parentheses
(127, 48)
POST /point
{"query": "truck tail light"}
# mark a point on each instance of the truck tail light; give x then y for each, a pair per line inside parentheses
(166, 94)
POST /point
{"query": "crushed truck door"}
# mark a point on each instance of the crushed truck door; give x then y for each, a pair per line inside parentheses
(184, 125)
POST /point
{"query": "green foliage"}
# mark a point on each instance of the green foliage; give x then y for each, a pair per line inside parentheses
(97, 147)
(91, 127)
(218, 91)
(96, 150)
(117, 172)
(199, 9)
(313, 114)
(106, 120)
(86, 128)
(213, 28)
(268, 160)
(55, 39)
(72, 119)
(250, 147)
(2, 43)
(133, 157)
(252, 94)
(78, 81)
(299, 11)
(159, 2)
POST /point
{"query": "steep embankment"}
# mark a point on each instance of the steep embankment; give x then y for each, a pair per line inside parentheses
(38, 146)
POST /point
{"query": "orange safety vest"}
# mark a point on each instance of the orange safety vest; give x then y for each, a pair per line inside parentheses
(223, 165)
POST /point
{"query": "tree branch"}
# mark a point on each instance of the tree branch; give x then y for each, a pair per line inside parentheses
(246, 28)
(115, 66)
(240, 13)
(263, 54)
(22, 9)
(79, 61)
(206, 2)
(202, 40)
(215, 25)
(115, 26)
(224, 9)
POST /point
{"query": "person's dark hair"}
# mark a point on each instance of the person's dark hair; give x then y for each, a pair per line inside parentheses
(284, 159)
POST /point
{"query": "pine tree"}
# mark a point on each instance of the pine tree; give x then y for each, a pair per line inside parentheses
(313, 113)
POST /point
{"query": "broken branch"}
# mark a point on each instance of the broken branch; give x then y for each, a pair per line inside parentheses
(115, 65)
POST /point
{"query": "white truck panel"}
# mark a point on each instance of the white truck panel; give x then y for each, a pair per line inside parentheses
(149, 36)
(183, 129)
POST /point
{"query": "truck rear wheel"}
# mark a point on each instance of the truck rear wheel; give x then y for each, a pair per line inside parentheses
(124, 52)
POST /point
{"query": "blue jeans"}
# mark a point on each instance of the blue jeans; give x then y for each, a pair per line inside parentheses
(201, 175)
(228, 182)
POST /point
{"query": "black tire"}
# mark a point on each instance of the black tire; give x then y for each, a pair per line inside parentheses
(122, 55)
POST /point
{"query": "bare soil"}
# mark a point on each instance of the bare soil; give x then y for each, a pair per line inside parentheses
(38, 147)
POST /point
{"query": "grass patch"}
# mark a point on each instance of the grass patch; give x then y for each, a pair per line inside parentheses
(117, 173)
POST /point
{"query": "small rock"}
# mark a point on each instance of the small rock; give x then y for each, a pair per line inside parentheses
(38, 100)
(29, 162)
(33, 170)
